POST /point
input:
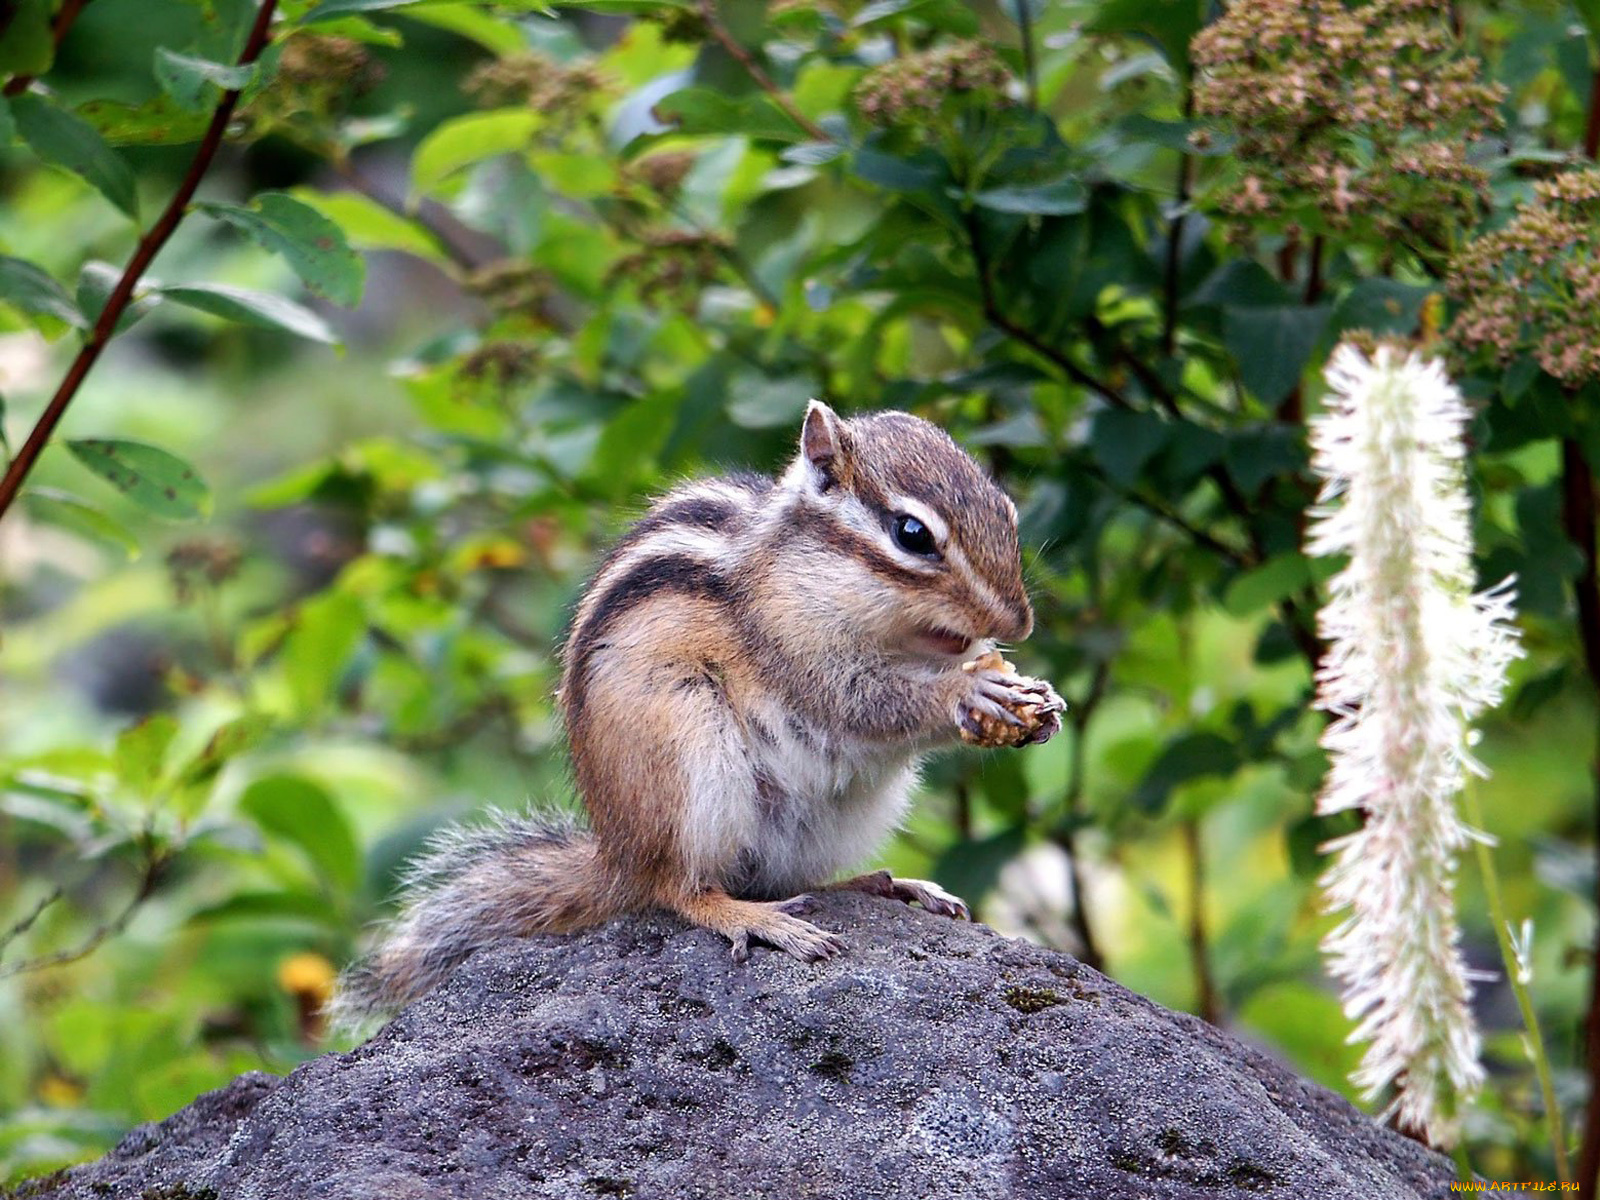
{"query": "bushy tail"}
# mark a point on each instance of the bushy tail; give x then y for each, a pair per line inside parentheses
(474, 885)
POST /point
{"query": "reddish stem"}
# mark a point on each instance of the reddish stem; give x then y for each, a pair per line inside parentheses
(149, 246)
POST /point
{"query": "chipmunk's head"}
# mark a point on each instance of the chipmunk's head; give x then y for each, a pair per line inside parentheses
(930, 541)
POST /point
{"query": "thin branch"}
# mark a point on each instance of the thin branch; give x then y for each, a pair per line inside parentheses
(1078, 717)
(715, 27)
(1210, 1007)
(1030, 58)
(993, 314)
(1578, 519)
(446, 238)
(1170, 275)
(1579, 522)
(155, 863)
(64, 19)
(33, 914)
(149, 246)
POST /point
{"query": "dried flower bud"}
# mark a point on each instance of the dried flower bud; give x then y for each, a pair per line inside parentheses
(1327, 138)
(676, 263)
(201, 561)
(663, 173)
(1533, 286)
(910, 90)
(512, 285)
(562, 93)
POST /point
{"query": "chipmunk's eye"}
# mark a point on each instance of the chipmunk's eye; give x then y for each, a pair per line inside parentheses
(913, 536)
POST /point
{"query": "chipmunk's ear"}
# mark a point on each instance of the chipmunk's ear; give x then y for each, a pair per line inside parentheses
(823, 442)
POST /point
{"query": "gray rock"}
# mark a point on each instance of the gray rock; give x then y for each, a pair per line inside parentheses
(934, 1059)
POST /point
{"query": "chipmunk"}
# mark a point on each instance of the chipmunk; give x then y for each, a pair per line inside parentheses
(748, 683)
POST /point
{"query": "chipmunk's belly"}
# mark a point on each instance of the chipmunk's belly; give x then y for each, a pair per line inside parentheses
(821, 806)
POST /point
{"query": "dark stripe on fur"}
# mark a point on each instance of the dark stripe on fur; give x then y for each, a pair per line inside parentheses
(678, 574)
(819, 526)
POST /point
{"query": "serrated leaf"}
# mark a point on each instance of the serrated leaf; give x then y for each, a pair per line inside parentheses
(157, 481)
(196, 83)
(66, 511)
(462, 141)
(312, 245)
(66, 140)
(32, 289)
(262, 309)
(142, 751)
(303, 813)
(159, 121)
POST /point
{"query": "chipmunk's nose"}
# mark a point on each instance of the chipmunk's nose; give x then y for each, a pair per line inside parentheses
(1014, 621)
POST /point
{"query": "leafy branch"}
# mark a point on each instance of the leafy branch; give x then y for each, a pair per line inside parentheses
(144, 253)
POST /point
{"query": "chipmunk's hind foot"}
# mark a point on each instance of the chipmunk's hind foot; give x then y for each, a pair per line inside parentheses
(908, 891)
(770, 922)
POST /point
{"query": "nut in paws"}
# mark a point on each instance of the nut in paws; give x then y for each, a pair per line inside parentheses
(1007, 709)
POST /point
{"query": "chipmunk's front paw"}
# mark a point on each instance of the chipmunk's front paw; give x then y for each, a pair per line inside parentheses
(1003, 708)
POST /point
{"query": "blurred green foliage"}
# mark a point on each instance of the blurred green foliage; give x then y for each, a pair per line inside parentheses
(612, 244)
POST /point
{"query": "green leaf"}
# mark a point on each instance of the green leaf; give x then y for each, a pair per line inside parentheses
(498, 35)
(1267, 584)
(1059, 197)
(1123, 442)
(1272, 345)
(34, 290)
(8, 127)
(944, 15)
(157, 481)
(142, 751)
(301, 812)
(309, 242)
(343, 8)
(367, 225)
(462, 141)
(972, 868)
(64, 139)
(196, 83)
(1589, 13)
(262, 309)
(66, 511)
(701, 111)
(28, 45)
(159, 121)
(758, 401)
(1169, 25)
(1190, 757)
(256, 906)
(1381, 306)
(231, 739)
(325, 633)
(96, 282)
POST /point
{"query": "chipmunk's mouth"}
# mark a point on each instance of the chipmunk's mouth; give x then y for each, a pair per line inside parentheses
(936, 640)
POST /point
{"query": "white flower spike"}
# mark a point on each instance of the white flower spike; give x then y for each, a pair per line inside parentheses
(1414, 656)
